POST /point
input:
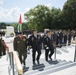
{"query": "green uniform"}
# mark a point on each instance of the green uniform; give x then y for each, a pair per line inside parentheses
(20, 45)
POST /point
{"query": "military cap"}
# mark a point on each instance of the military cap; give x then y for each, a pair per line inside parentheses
(20, 33)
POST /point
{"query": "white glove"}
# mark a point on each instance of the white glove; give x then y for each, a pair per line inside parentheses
(31, 49)
(47, 47)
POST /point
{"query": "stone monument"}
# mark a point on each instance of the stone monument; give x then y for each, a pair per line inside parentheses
(9, 31)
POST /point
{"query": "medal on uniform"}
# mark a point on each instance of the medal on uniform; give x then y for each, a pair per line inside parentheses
(24, 39)
(38, 38)
(18, 42)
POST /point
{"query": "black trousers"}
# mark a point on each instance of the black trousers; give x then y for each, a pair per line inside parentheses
(34, 54)
(22, 60)
(69, 41)
(4, 51)
(51, 50)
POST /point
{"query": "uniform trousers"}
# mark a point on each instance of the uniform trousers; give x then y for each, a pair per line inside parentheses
(34, 55)
(51, 50)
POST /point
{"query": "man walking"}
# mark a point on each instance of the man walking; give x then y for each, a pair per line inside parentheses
(20, 45)
(35, 44)
(48, 42)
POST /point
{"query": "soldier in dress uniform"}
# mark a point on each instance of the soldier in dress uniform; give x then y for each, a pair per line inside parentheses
(65, 38)
(69, 37)
(35, 43)
(20, 45)
(48, 46)
(60, 38)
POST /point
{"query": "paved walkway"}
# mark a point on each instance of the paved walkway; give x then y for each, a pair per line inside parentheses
(4, 66)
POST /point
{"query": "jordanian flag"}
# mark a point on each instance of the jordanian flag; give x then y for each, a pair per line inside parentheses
(20, 24)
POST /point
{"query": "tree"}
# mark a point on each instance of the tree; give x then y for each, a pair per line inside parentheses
(38, 17)
(69, 14)
(55, 18)
(2, 25)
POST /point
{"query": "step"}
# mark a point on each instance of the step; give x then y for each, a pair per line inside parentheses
(68, 71)
(55, 69)
(51, 65)
(42, 64)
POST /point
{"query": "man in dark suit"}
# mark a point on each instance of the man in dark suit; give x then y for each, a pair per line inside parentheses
(35, 43)
(60, 38)
(69, 37)
(48, 42)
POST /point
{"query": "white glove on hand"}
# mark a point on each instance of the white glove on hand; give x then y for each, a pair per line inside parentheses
(47, 47)
(31, 49)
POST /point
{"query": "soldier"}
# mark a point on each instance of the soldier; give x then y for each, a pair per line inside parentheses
(69, 37)
(35, 43)
(20, 45)
(60, 38)
(48, 46)
(65, 38)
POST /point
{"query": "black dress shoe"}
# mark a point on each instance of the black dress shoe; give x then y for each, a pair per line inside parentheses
(34, 63)
(24, 63)
(46, 59)
(50, 58)
(24, 67)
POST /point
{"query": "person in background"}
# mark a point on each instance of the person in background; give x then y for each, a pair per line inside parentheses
(69, 37)
(3, 46)
(60, 38)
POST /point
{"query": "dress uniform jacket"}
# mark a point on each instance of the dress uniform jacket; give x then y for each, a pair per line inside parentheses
(48, 42)
(20, 45)
(35, 42)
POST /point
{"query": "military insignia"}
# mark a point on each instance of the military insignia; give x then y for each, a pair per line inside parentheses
(18, 41)
(38, 38)
(24, 39)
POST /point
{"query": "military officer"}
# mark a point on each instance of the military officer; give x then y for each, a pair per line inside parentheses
(35, 43)
(20, 45)
(48, 42)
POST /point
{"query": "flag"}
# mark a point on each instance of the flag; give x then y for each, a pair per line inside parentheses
(20, 23)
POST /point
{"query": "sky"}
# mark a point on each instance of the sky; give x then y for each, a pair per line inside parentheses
(10, 10)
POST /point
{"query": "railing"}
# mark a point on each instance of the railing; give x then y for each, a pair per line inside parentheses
(18, 63)
(14, 64)
(74, 42)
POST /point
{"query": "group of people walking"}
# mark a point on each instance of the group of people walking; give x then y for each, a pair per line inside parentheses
(50, 40)
(36, 42)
